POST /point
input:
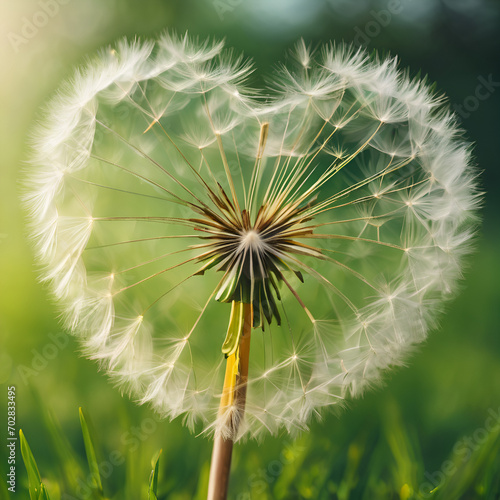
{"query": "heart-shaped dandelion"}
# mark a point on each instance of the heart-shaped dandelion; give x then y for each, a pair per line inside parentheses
(175, 211)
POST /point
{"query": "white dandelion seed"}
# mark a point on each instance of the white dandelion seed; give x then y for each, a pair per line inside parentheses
(332, 219)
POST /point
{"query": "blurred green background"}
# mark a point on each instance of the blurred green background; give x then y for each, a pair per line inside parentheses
(435, 425)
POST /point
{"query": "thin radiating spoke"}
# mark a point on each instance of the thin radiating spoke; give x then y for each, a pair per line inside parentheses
(154, 275)
(140, 240)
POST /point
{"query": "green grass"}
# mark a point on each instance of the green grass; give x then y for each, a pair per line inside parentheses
(383, 462)
(77, 481)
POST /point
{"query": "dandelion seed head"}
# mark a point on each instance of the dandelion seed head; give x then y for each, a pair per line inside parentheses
(162, 188)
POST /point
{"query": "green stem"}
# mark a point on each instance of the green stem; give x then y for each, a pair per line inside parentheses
(234, 396)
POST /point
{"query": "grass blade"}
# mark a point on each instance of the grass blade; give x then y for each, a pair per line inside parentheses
(43, 493)
(153, 480)
(70, 469)
(34, 479)
(90, 452)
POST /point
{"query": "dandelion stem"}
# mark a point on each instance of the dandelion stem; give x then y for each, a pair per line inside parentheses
(232, 408)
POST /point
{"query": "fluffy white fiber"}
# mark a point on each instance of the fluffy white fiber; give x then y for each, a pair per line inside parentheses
(136, 138)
